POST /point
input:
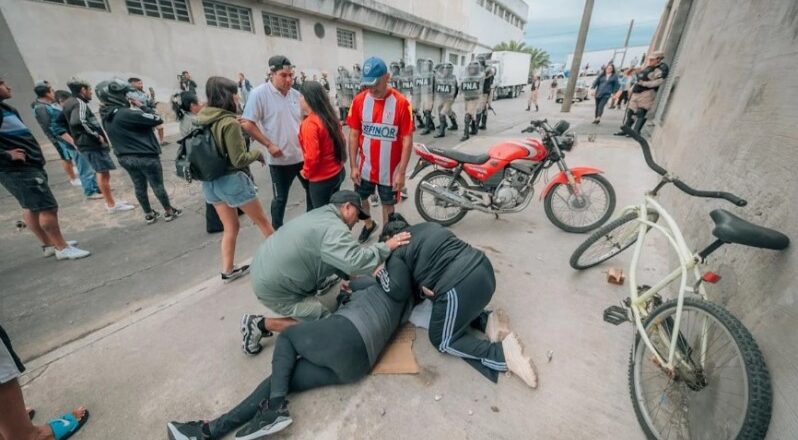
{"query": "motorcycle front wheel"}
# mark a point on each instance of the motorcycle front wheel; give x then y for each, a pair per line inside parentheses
(580, 211)
(434, 209)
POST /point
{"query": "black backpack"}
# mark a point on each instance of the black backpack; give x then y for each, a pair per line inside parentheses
(198, 157)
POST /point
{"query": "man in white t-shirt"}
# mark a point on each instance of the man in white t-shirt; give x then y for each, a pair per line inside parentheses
(271, 117)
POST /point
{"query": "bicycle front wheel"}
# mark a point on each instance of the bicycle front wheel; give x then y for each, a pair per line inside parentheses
(720, 387)
(608, 241)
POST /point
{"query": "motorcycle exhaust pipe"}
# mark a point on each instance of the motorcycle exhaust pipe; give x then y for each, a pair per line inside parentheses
(451, 197)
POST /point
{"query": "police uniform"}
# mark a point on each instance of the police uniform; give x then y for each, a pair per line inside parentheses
(485, 99)
(343, 92)
(425, 81)
(412, 91)
(471, 89)
(644, 93)
(396, 73)
(445, 93)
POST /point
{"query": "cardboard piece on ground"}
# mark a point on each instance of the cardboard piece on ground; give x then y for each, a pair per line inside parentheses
(398, 357)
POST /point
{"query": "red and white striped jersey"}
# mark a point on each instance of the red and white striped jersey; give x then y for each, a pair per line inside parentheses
(382, 123)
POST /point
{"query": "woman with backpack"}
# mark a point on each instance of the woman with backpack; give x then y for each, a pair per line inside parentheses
(186, 105)
(234, 189)
(323, 145)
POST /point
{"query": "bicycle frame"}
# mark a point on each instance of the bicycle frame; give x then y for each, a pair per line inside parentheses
(688, 261)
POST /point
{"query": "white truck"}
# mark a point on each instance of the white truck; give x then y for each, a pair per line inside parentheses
(512, 72)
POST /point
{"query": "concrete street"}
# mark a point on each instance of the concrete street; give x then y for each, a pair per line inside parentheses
(143, 331)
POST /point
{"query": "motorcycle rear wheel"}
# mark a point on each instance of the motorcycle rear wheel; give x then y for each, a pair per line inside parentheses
(426, 202)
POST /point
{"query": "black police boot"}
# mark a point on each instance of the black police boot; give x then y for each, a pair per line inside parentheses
(466, 123)
(484, 123)
(474, 123)
(627, 122)
(453, 120)
(419, 120)
(441, 128)
(640, 120)
(428, 124)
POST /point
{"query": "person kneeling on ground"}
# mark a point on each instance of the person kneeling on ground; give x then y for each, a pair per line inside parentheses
(337, 350)
(460, 282)
(304, 257)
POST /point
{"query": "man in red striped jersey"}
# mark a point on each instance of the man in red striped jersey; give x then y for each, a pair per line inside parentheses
(380, 140)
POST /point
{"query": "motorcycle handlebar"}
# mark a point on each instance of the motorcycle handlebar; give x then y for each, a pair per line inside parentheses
(676, 182)
(536, 124)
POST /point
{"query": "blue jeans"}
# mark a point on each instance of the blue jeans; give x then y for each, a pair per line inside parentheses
(85, 171)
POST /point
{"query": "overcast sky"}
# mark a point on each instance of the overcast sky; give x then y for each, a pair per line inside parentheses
(554, 24)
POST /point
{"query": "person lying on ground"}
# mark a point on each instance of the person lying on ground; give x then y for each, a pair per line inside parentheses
(15, 418)
(337, 350)
(459, 280)
(305, 257)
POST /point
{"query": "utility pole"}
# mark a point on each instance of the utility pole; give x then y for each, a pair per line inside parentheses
(576, 63)
(626, 43)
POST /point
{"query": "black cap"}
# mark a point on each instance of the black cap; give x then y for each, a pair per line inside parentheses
(347, 196)
(277, 62)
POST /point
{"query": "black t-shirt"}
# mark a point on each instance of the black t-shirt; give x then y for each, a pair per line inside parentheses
(15, 134)
(435, 258)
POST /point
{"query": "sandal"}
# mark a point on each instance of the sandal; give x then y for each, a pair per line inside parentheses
(64, 427)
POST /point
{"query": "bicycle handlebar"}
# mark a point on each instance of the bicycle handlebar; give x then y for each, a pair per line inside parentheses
(676, 182)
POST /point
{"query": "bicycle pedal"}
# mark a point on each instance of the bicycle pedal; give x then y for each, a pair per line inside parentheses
(615, 315)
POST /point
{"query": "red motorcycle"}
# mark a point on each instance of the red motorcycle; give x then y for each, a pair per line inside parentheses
(502, 181)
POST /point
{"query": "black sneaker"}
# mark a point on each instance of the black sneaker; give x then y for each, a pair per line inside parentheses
(169, 216)
(152, 217)
(366, 232)
(267, 421)
(186, 431)
(235, 274)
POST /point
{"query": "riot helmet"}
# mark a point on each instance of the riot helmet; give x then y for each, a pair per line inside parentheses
(448, 69)
(113, 92)
(473, 68)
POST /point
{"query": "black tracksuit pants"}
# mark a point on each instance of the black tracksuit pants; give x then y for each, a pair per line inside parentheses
(310, 355)
(455, 311)
(282, 178)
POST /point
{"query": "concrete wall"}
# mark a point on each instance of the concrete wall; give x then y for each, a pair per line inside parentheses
(491, 29)
(15, 74)
(730, 124)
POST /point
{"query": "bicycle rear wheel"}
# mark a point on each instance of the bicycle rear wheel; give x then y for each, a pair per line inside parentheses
(727, 395)
(608, 241)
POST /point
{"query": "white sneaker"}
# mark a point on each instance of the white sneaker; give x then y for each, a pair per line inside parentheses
(76, 182)
(95, 196)
(120, 207)
(71, 253)
(49, 251)
(498, 326)
(517, 362)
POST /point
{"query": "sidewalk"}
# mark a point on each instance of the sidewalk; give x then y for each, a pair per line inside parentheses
(181, 359)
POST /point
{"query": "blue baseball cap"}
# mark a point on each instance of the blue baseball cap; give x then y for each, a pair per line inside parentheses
(373, 69)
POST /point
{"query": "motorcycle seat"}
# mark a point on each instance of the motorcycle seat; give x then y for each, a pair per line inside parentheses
(732, 229)
(477, 159)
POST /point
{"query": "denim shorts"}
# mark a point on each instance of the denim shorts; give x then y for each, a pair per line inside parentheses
(235, 190)
(30, 188)
(387, 195)
(10, 365)
(100, 160)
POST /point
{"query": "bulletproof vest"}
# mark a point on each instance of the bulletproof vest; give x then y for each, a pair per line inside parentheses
(394, 82)
(445, 86)
(416, 88)
(471, 87)
(406, 85)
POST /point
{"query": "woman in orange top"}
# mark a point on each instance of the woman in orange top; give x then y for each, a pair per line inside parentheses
(323, 145)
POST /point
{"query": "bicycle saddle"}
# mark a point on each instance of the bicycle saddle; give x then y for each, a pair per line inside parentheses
(477, 159)
(732, 229)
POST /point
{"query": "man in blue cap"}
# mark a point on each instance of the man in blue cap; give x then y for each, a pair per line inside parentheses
(380, 140)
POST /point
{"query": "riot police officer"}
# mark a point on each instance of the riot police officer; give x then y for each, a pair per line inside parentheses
(445, 93)
(471, 89)
(396, 73)
(411, 91)
(489, 73)
(355, 78)
(425, 83)
(343, 92)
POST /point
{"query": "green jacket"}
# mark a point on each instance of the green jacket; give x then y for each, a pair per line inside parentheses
(228, 136)
(300, 257)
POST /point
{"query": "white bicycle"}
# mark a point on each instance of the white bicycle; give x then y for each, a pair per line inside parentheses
(695, 372)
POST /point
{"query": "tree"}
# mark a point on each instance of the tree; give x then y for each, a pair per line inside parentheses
(539, 57)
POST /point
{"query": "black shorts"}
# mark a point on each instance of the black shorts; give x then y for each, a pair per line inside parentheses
(100, 160)
(10, 364)
(30, 188)
(387, 195)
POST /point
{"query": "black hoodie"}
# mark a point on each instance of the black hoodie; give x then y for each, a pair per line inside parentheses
(130, 131)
